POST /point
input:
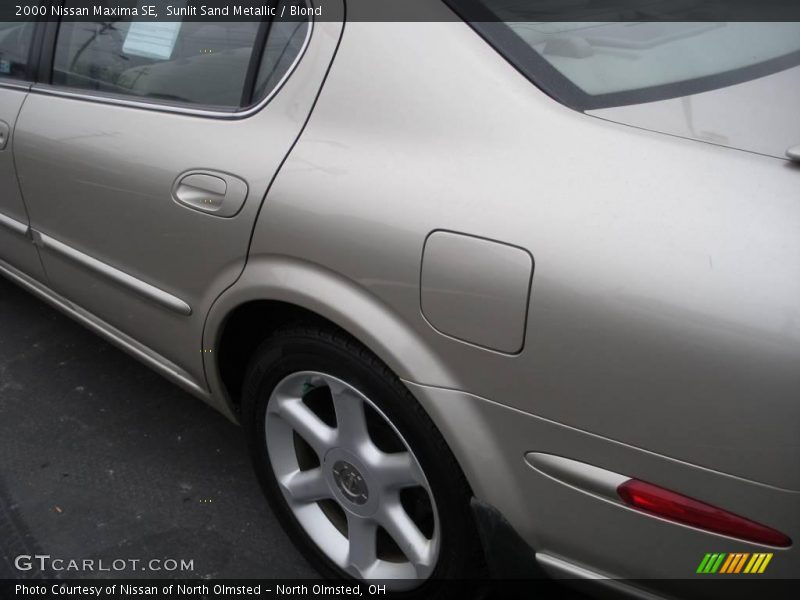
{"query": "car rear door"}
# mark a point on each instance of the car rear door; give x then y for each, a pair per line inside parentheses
(16, 251)
(145, 157)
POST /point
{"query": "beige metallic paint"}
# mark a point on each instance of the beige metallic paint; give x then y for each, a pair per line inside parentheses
(664, 329)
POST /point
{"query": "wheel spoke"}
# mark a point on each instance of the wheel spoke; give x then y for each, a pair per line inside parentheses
(307, 486)
(362, 535)
(351, 421)
(394, 471)
(307, 425)
(407, 536)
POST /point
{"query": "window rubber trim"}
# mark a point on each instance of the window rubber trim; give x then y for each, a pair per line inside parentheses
(256, 58)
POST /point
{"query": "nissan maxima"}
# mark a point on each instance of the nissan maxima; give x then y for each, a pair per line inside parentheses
(482, 292)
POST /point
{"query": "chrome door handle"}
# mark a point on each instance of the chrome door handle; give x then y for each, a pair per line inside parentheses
(211, 192)
(5, 133)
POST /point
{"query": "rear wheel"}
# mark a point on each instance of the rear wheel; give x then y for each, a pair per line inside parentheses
(357, 472)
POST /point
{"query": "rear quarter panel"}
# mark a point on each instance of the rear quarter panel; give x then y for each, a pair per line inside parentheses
(665, 308)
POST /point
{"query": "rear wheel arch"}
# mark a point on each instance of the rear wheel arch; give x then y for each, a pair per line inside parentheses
(275, 292)
(245, 328)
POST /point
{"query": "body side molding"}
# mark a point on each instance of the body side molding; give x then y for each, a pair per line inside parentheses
(13, 225)
(142, 288)
(139, 351)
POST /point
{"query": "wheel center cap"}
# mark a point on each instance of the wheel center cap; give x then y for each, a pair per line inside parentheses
(350, 481)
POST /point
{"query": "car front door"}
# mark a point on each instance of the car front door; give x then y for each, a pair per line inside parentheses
(145, 160)
(17, 255)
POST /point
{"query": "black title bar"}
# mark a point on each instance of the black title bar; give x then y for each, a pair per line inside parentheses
(401, 10)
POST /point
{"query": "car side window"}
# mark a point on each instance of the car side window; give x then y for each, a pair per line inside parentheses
(15, 44)
(190, 63)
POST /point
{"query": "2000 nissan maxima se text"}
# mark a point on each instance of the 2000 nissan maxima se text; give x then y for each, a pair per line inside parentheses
(534, 278)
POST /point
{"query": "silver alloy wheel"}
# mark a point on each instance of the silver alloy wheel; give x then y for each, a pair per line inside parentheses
(351, 471)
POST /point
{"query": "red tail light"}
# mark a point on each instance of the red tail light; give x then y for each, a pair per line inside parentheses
(675, 507)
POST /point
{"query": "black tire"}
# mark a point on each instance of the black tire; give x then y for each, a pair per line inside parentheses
(311, 348)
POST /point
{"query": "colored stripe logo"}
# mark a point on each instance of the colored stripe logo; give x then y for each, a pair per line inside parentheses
(734, 563)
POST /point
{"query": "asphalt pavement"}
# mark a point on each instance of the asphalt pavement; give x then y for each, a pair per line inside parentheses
(100, 458)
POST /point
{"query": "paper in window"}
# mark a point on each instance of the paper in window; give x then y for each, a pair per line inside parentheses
(151, 39)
